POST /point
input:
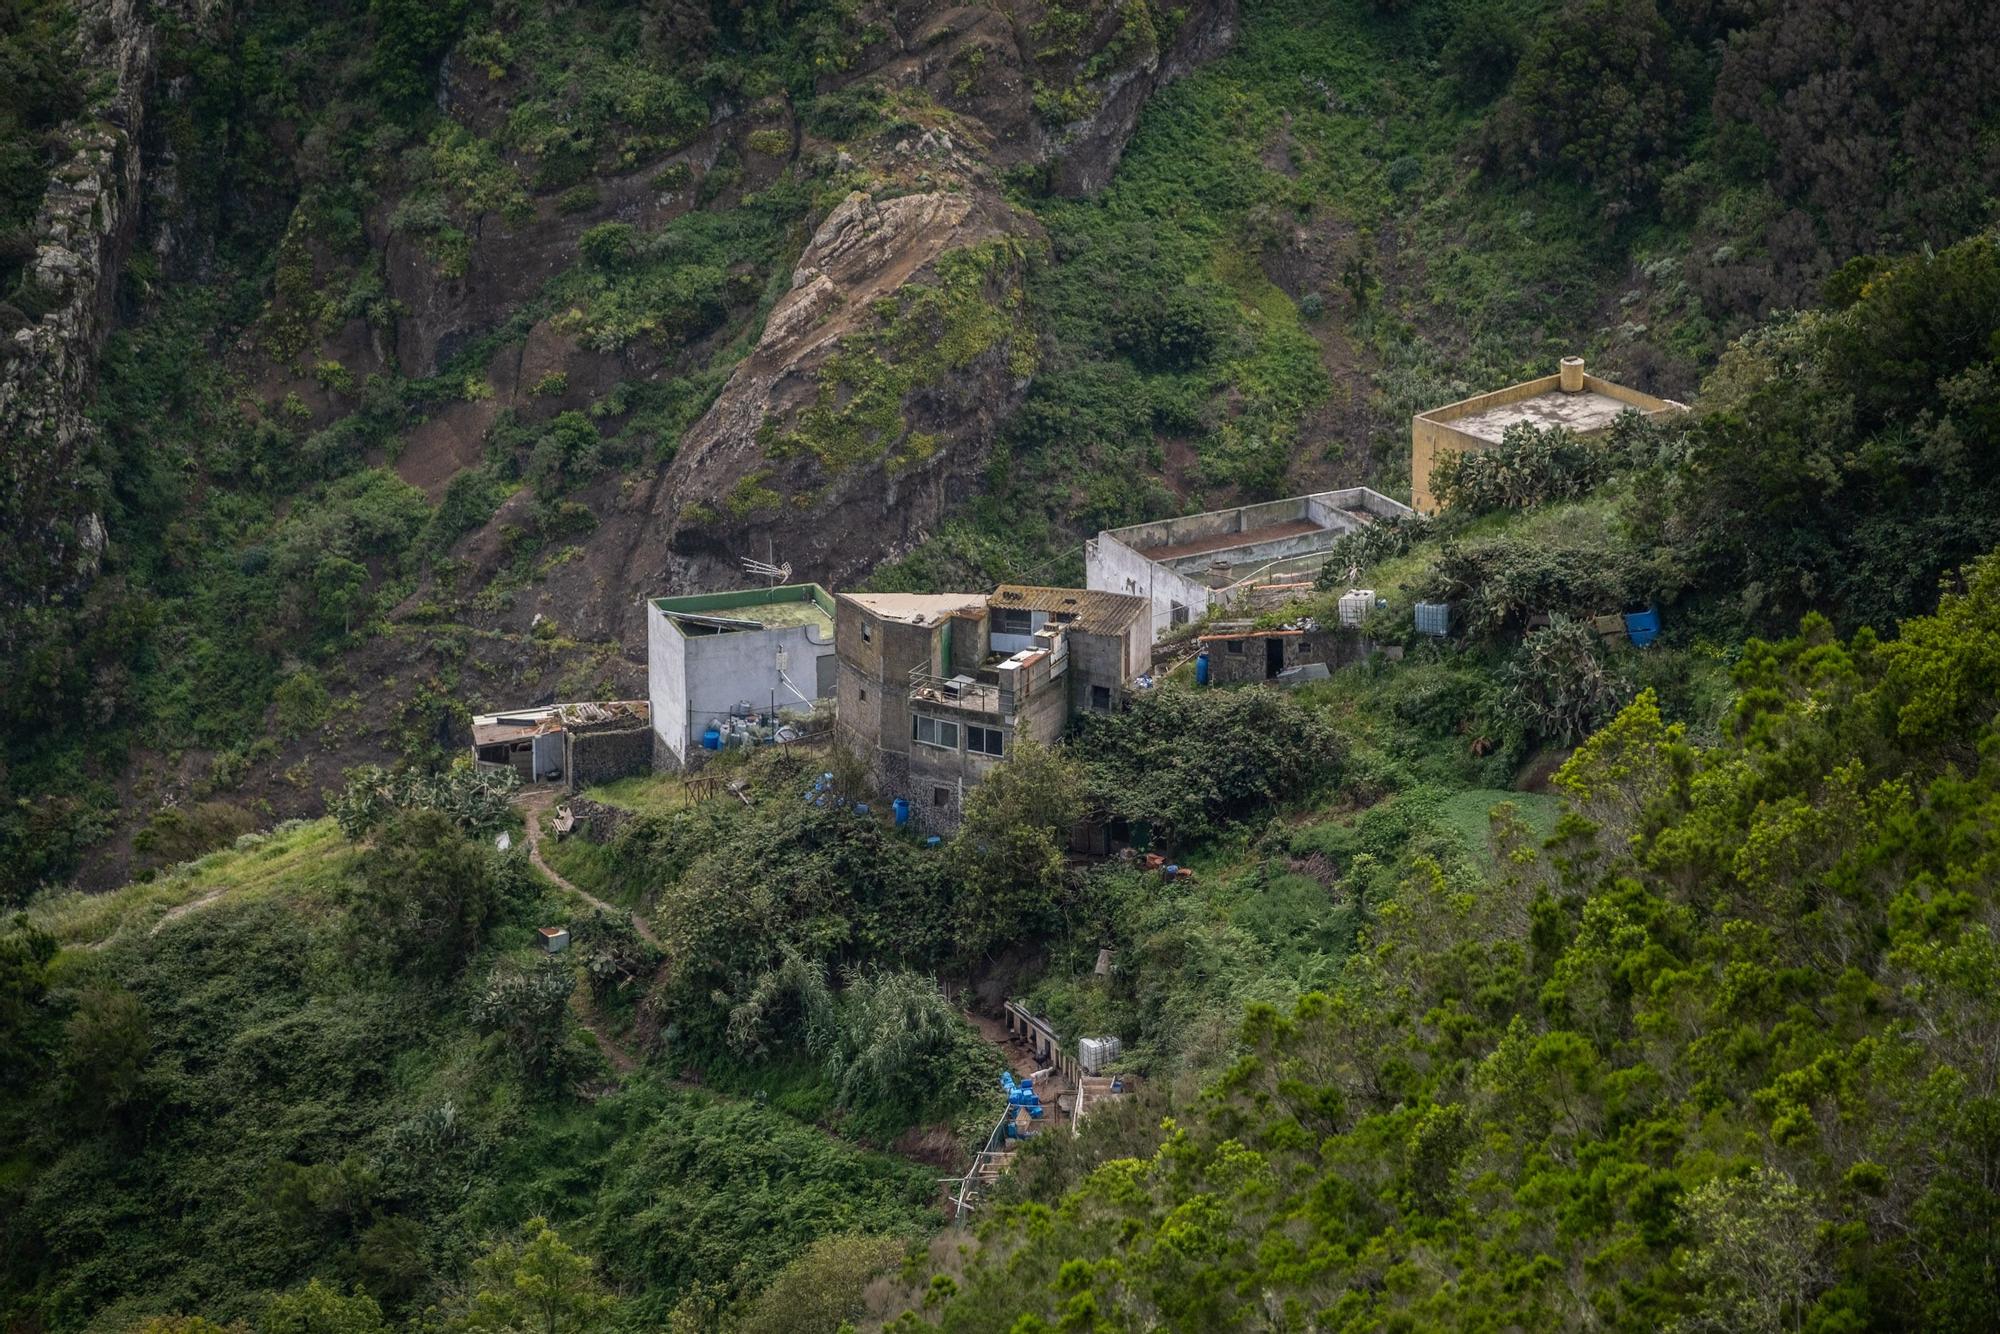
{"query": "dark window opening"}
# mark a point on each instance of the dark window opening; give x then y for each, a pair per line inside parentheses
(1014, 621)
(940, 796)
(1235, 646)
(1100, 698)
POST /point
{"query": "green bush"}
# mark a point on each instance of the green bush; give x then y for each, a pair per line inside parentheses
(1597, 97)
(1496, 584)
(1191, 761)
(1558, 686)
(179, 834)
(426, 896)
(1535, 466)
(478, 801)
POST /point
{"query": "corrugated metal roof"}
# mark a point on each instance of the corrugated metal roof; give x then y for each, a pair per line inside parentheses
(512, 724)
(1092, 612)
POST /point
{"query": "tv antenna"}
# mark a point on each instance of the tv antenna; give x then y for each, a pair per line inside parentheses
(763, 569)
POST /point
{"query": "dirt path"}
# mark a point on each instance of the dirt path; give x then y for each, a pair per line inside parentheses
(622, 1061)
(1017, 1057)
(532, 807)
(175, 914)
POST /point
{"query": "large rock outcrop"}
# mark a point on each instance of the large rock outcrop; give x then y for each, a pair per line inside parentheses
(87, 223)
(867, 410)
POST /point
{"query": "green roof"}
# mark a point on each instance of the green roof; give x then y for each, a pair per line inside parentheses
(773, 608)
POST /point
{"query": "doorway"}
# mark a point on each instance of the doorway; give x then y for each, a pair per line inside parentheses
(1274, 657)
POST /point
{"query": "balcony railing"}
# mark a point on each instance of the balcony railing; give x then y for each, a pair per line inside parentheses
(958, 692)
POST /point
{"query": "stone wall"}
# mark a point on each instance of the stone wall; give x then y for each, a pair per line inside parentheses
(597, 821)
(600, 757)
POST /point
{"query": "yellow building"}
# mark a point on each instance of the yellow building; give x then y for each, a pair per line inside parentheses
(1583, 403)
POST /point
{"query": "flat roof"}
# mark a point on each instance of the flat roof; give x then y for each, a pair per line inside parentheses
(1584, 413)
(1259, 523)
(753, 609)
(917, 608)
(1089, 611)
(1248, 537)
(1543, 403)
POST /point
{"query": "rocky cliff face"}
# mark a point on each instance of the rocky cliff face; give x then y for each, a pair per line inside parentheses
(88, 221)
(867, 408)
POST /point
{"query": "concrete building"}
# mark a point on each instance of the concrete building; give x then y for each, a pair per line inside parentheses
(936, 689)
(573, 744)
(1240, 653)
(1184, 566)
(709, 656)
(1584, 404)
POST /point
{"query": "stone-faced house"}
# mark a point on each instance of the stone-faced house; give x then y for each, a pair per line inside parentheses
(936, 689)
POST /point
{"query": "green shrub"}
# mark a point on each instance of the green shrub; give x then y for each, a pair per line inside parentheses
(426, 896)
(1558, 685)
(1191, 761)
(530, 1012)
(577, 199)
(1495, 585)
(477, 800)
(179, 834)
(1531, 466)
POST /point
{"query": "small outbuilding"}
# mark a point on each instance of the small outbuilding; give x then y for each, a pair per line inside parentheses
(1583, 404)
(572, 744)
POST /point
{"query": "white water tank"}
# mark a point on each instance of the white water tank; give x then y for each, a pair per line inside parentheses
(1094, 1054)
(1355, 604)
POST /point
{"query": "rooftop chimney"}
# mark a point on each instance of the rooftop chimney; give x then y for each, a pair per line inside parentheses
(1572, 375)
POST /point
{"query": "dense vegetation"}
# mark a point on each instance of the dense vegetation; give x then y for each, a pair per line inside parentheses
(39, 90)
(1696, 1034)
(1716, 1056)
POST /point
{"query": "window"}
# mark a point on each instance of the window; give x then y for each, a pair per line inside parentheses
(940, 796)
(1014, 621)
(934, 732)
(864, 694)
(1235, 646)
(1100, 698)
(1179, 614)
(867, 633)
(984, 741)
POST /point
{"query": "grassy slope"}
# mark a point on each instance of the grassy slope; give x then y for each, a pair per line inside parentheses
(272, 1047)
(1327, 136)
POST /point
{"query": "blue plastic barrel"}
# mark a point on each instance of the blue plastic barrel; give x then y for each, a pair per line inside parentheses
(711, 739)
(1201, 669)
(902, 805)
(1642, 627)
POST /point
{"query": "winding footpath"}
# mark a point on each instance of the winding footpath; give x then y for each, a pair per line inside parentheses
(622, 1061)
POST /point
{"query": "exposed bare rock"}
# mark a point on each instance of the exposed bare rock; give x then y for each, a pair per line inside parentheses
(85, 229)
(862, 253)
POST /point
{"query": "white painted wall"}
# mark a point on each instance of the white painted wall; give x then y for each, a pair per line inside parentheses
(666, 680)
(1112, 567)
(692, 679)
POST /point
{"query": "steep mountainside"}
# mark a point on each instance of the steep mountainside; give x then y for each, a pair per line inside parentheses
(449, 332)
